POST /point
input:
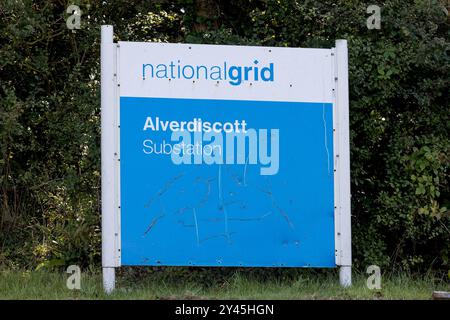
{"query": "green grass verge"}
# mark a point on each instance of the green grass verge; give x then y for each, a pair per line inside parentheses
(184, 283)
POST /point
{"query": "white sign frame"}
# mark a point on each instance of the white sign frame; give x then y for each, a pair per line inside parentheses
(110, 159)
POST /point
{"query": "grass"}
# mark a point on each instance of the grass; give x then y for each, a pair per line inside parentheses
(183, 283)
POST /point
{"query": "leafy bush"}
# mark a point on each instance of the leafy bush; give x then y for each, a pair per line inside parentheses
(400, 128)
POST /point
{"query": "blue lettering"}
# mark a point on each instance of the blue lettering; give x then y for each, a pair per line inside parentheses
(161, 71)
(143, 69)
(235, 74)
(235, 77)
(206, 72)
(267, 69)
(192, 72)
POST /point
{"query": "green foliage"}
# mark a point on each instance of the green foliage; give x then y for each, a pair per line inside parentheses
(400, 128)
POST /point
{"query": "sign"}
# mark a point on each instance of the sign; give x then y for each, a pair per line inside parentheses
(225, 156)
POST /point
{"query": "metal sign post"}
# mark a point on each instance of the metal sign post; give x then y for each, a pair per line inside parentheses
(108, 157)
(342, 158)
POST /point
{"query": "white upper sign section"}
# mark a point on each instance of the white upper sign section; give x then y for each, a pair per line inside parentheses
(165, 70)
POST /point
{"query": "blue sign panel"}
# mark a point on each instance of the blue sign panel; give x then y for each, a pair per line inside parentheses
(226, 183)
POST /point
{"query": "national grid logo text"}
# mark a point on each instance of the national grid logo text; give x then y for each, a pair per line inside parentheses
(234, 74)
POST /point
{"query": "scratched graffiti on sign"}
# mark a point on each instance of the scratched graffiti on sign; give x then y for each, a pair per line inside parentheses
(228, 213)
